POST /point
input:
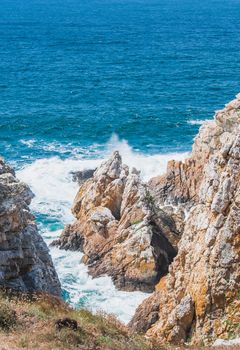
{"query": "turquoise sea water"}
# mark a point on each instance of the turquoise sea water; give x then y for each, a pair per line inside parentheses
(78, 77)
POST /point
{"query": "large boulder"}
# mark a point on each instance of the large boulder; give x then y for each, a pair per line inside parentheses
(120, 229)
(25, 263)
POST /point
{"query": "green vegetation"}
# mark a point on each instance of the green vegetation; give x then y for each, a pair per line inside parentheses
(149, 198)
(136, 222)
(233, 328)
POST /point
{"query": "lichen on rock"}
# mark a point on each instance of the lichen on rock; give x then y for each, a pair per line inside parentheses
(199, 301)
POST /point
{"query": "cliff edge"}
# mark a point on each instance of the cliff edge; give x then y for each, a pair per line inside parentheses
(25, 262)
(198, 301)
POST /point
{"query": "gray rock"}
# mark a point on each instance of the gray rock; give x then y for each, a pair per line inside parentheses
(81, 176)
(25, 262)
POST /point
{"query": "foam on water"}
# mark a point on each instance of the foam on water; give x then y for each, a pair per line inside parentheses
(150, 165)
(95, 294)
(28, 143)
(197, 121)
(51, 181)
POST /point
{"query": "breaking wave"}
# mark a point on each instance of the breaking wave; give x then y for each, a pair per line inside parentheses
(51, 181)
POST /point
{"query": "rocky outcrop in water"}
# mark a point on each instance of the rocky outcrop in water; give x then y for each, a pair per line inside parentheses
(25, 263)
(198, 301)
(81, 176)
(120, 229)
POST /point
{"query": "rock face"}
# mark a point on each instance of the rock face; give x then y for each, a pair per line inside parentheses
(25, 263)
(121, 230)
(198, 300)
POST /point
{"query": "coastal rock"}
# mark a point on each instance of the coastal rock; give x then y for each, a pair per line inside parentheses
(199, 300)
(180, 184)
(120, 229)
(81, 176)
(25, 263)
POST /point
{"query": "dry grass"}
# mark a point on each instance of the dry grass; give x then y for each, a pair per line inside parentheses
(33, 327)
(30, 324)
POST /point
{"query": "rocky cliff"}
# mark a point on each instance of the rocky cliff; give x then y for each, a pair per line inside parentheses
(199, 299)
(25, 263)
(120, 229)
(180, 233)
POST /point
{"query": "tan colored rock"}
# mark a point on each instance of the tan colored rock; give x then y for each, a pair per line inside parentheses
(199, 299)
(121, 230)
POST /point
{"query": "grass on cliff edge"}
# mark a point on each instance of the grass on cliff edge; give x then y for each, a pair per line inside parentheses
(30, 324)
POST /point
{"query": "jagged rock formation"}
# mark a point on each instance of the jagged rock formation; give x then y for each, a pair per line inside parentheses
(25, 263)
(120, 229)
(199, 299)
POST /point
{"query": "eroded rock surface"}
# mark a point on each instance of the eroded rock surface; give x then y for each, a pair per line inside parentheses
(198, 301)
(25, 263)
(121, 230)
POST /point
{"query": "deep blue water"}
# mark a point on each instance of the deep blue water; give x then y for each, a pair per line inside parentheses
(72, 72)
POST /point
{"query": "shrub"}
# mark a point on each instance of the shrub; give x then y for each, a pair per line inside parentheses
(8, 316)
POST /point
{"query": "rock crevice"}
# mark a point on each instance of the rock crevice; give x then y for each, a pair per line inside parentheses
(120, 229)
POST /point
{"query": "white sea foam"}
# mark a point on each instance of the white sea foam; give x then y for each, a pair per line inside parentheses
(51, 181)
(150, 165)
(28, 143)
(60, 148)
(98, 294)
(54, 190)
(197, 122)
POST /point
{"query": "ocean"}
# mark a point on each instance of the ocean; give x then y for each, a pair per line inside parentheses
(81, 78)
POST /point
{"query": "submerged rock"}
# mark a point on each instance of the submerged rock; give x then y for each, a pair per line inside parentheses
(81, 176)
(199, 300)
(120, 229)
(25, 263)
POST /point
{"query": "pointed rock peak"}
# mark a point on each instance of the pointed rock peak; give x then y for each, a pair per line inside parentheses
(5, 168)
(111, 168)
